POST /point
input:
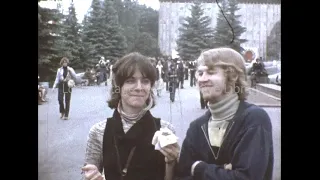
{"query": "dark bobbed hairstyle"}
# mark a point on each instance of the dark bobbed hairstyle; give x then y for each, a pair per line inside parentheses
(123, 69)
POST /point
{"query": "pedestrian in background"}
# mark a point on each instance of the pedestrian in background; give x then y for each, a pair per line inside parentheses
(64, 81)
(192, 68)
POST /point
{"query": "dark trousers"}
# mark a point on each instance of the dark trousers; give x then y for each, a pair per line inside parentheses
(172, 89)
(186, 75)
(192, 78)
(167, 85)
(204, 104)
(102, 76)
(181, 81)
(64, 92)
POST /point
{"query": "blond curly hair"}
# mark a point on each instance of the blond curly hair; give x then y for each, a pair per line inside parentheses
(234, 67)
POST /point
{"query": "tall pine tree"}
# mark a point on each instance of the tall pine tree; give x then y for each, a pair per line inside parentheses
(236, 25)
(129, 15)
(194, 34)
(274, 42)
(72, 38)
(223, 33)
(93, 34)
(49, 42)
(149, 21)
(147, 45)
(147, 40)
(114, 41)
(139, 24)
(86, 61)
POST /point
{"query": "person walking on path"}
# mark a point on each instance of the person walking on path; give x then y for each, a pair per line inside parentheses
(64, 81)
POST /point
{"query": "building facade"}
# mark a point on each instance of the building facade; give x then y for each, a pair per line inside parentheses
(259, 19)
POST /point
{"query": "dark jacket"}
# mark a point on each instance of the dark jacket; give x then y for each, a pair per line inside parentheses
(146, 164)
(180, 71)
(173, 73)
(192, 66)
(247, 146)
(158, 73)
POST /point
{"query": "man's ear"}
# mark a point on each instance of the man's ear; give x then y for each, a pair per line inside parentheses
(236, 76)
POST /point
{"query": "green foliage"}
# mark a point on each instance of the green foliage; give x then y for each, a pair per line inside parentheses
(223, 33)
(195, 34)
(114, 42)
(111, 28)
(84, 51)
(49, 41)
(149, 21)
(93, 37)
(71, 39)
(147, 45)
(274, 42)
(140, 25)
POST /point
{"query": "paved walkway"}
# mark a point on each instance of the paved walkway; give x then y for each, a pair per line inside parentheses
(62, 143)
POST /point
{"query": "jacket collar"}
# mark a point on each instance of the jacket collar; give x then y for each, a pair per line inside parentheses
(240, 110)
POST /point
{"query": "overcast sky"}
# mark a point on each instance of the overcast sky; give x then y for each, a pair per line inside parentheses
(82, 6)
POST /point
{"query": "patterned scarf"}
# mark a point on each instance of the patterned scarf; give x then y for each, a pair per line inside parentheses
(128, 120)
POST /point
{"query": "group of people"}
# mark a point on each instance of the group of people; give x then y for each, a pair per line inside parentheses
(231, 140)
(97, 74)
(172, 72)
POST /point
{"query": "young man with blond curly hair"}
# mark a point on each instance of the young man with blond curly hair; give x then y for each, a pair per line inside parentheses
(233, 139)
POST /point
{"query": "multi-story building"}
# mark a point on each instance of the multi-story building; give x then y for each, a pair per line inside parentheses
(257, 18)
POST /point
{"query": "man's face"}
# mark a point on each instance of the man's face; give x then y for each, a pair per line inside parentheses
(212, 83)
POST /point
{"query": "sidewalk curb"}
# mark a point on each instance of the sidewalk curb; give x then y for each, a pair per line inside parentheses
(268, 105)
(271, 96)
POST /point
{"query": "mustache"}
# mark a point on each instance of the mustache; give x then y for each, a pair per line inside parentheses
(205, 85)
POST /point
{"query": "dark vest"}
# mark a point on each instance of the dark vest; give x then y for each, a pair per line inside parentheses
(146, 163)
